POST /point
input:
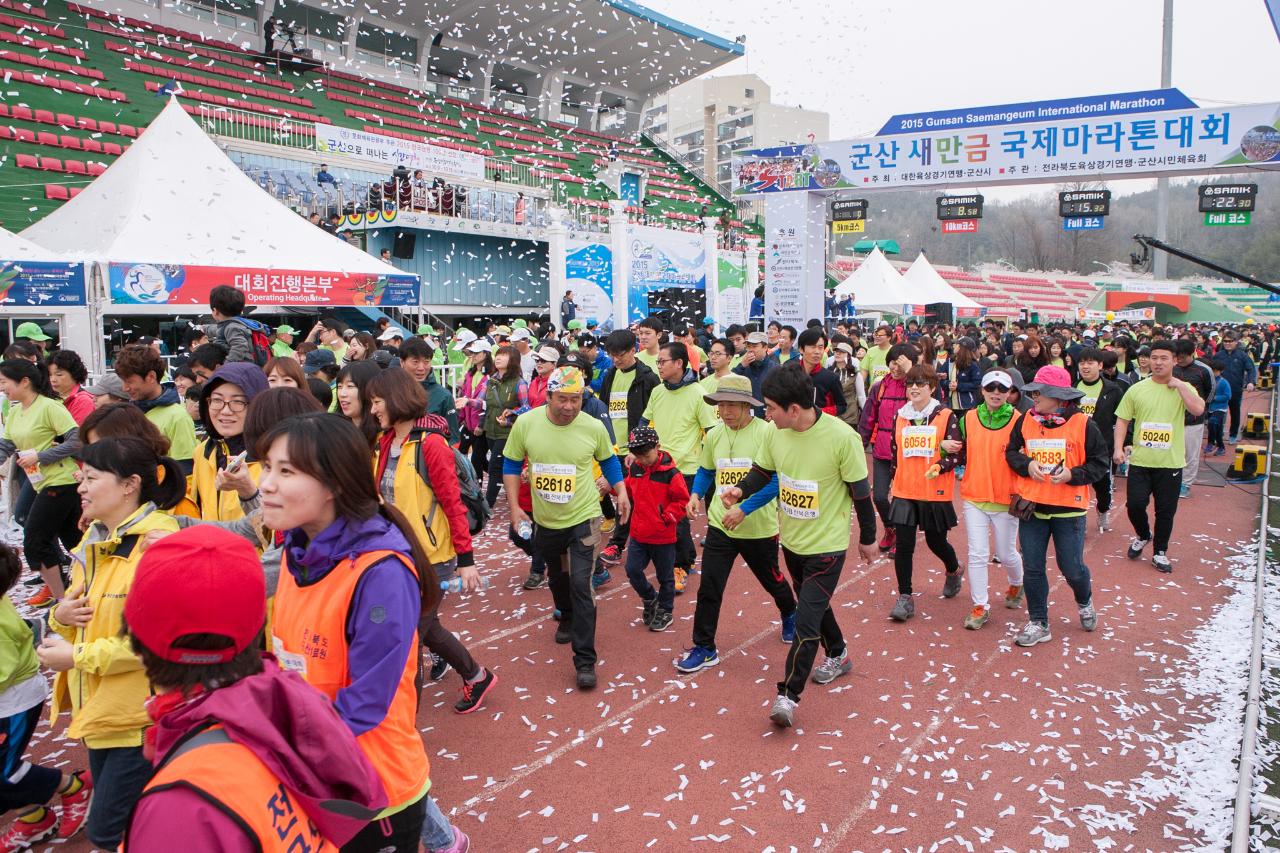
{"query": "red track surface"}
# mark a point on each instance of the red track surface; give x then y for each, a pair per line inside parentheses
(940, 735)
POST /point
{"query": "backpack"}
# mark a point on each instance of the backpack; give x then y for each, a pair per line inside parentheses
(478, 509)
(261, 339)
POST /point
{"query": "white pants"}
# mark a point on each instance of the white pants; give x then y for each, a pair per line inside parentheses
(977, 524)
(1192, 439)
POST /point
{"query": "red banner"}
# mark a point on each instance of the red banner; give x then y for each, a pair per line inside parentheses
(960, 226)
(161, 284)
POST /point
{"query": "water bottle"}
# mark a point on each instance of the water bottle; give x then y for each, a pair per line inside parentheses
(454, 584)
(525, 530)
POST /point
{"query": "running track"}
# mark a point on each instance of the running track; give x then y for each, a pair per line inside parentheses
(940, 738)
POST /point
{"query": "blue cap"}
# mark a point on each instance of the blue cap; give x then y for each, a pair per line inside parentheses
(317, 359)
(708, 321)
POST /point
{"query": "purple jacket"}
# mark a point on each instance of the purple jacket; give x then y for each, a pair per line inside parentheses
(877, 423)
(382, 618)
(293, 730)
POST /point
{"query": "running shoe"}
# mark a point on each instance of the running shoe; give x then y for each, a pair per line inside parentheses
(43, 598)
(832, 668)
(1161, 562)
(1184, 491)
(22, 835)
(439, 667)
(536, 580)
(783, 712)
(1136, 547)
(662, 620)
(698, 659)
(1088, 616)
(607, 525)
(977, 617)
(1104, 521)
(564, 633)
(789, 628)
(681, 575)
(1032, 633)
(75, 807)
(611, 554)
(473, 693)
(586, 678)
(1013, 597)
(903, 609)
(461, 843)
(889, 541)
(951, 586)
(650, 610)
(600, 578)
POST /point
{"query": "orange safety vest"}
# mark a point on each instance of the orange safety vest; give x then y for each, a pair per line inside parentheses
(919, 448)
(1048, 447)
(987, 476)
(310, 637)
(236, 782)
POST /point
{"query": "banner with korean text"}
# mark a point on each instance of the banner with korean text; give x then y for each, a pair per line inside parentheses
(160, 284)
(662, 259)
(41, 284)
(375, 148)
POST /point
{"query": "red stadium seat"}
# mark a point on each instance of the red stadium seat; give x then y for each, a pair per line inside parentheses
(87, 123)
(50, 164)
(129, 131)
(92, 145)
(107, 126)
(75, 167)
(45, 117)
(96, 169)
(5, 132)
(26, 161)
(75, 191)
(23, 113)
(72, 142)
(112, 149)
(57, 192)
(25, 135)
(66, 120)
(46, 138)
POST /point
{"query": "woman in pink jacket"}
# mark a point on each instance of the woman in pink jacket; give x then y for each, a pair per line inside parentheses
(877, 425)
(470, 404)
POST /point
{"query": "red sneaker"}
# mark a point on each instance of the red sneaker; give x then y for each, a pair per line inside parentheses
(889, 541)
(22, 835)
(611, 555)
(43, 598)
(75, 807)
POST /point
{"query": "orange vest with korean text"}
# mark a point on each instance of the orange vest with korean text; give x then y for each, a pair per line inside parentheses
(1049, 447)
(919, 449)
(310, 637)
(236, 781)
(987, 476)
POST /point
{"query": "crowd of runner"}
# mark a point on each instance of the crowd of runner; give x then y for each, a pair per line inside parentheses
(243, 557)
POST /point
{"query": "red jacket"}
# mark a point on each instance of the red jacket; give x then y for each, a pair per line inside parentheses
(659, 496)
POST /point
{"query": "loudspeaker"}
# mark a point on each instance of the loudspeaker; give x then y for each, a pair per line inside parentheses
(404, 245)
(939, 312)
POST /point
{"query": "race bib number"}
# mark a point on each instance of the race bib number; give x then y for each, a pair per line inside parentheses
(554, 483)
(798, 498)
(878, 372)
(919, 441)
(730, 473)
(1047, 452)
(288, 661)
(1088, 404)
(1156, 436)
(618, 405)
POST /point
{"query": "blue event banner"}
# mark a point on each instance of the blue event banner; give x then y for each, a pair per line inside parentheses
(41, 283)
(1090, 106)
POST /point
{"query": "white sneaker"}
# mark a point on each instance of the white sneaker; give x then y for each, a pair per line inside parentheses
(1032, 633)
(783, 712)
(832, 668)
(1088, 616)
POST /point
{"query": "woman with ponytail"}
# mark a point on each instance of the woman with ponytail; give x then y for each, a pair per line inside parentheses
(353, 583)
(44, 437)
(124, 491)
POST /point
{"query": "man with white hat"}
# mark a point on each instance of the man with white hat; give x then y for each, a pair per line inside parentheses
(282, 346)
(520, 339)
(756, 364)
(392, 338)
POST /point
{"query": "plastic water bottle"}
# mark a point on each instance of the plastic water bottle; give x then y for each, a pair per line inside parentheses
(454, 584)
(525, 530)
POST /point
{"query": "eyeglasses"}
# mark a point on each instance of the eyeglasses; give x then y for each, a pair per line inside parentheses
(235, 404)
(994, 387)
(663, 361)
(912, 383)
(1034, 395)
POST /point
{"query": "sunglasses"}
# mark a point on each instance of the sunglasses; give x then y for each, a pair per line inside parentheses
(913, 383)
(995, 387)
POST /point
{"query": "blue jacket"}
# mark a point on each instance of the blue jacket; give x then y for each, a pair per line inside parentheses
(756, 372)
(1239, 369)
(598, 369)
(1221, 395)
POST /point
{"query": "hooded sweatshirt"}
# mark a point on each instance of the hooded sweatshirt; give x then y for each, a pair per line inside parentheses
(292, 730)
(382, 617)
(216, 450)
(170, 417)
(879, 414)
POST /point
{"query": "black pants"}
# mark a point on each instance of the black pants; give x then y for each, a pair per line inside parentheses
(478, 447)
(880, 488)
(1233, 409)
(54, 518)
(761, 556)
(119, 775)
(38, 784)
(686, 553)
(1163, 484)
(570, 558)
(1102, 490)
(439, 640)
(903, 557)
(621, 532)
(496, 446)
(399, 833)
(815, 577)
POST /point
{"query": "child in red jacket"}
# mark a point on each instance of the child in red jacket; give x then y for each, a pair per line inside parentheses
(658, 497)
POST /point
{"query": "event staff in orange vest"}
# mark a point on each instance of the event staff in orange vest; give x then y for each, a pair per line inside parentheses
(234, 770)
(926, 444)
(1058, 452)
(353, 583)
(987, 490)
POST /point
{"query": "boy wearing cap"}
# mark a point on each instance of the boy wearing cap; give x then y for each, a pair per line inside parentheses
(247, 757)
(1101, 397)
(749, 530)
(658, 495)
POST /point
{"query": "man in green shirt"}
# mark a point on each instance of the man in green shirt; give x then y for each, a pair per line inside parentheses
(560, 443)
(822, 473)
(1156, 407)
(875, 365)
(282, 347)
(749, 530)
(720, 362)
(328, 333)
(680, 415)
(649, 333)
(140, 369)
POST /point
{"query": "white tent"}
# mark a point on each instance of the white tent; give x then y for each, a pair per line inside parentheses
(174, 199)
(927, 286)
(15, 248)
(876, 286)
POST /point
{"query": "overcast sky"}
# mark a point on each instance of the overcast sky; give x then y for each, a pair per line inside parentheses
(863, 62)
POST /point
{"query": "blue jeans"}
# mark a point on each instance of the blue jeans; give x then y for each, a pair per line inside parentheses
(1068, 546)
(119, 775)
(437, 832)
(639, 554)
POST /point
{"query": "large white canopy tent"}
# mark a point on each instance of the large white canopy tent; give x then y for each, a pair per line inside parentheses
(15, 248)
(927, 286)
(876, 286)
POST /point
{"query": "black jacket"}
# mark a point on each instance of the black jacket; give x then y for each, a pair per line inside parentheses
(1097, 462)
(828, 393)
(1199, 377)
(637, 395)
(1104, 411)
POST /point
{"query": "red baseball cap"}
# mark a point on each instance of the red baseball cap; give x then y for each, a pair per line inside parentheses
(202, 580)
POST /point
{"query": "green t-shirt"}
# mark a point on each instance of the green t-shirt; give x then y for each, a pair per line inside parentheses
(813, 467)
(730, 454)
(177, 426)
(34, 427)
(876, 364)
(1091, 393)
(282, 350)
(650, 360)
(680, 417)
(339, 351)
(710, 384)
(1156, 412)
(560, 471)
(617, 403)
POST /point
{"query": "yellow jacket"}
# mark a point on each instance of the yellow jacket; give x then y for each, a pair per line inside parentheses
(414, 498)
(214, 505)
(106, 688)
